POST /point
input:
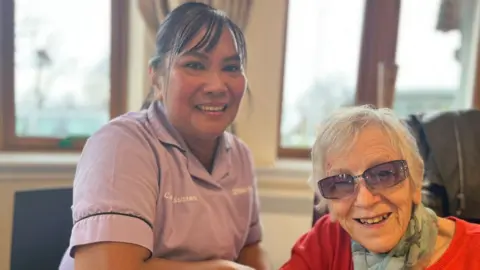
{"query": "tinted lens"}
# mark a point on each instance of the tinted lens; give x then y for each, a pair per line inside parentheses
(387, 174)
(336, 187)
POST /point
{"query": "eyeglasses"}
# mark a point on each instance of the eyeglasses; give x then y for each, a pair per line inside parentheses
(381, 176)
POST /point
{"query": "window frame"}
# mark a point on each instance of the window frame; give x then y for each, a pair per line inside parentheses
(9, 141)
(379, 44)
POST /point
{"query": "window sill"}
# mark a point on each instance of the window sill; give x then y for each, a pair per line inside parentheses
(37, 166)
(287, 175)
(286, 169)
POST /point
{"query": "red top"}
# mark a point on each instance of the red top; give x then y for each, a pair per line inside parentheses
(327, 246)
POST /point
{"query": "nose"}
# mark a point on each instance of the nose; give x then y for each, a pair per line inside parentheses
(365, 197)
(215, 84)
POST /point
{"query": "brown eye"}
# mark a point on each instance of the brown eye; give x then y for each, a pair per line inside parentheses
(232, 68)
(195, 65)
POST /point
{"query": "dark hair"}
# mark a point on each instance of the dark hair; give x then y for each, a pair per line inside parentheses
(182, 25)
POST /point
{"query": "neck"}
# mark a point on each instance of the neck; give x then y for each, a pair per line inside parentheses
(204, 150)
(446, 231)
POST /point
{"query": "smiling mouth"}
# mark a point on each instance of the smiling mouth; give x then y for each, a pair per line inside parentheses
(374, 220)
(211, 109)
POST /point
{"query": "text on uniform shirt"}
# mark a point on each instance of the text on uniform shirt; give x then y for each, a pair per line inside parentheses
(180, 199)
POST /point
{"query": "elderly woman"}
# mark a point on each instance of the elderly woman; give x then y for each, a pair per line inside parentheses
(368, 171)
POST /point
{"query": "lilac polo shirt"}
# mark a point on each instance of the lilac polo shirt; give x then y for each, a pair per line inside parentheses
(137, 182)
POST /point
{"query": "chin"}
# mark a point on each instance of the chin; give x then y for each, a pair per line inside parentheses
(378, 248)
(212, 132)
(213, 128)
(382, 244)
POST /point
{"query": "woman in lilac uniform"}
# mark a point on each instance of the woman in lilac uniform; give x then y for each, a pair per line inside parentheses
(168, 187)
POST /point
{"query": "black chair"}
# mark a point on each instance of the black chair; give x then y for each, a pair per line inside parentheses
(317, 213)
(42, 224)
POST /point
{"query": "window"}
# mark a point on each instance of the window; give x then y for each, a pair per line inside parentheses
(321, 64)
(434, 71)
(387, 53)
(63, 70)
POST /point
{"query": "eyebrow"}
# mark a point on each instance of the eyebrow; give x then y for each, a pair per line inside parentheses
(372, 163)
(204, 56)
(380, 160)
(234, 57)
(196, 54)
(337, 171)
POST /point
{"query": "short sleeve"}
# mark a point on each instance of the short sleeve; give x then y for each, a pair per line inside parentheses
(255, 231)
(115, 187)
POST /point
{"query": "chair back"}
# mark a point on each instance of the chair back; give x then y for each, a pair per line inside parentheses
(42, 224)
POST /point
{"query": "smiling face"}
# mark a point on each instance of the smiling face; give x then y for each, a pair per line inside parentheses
(204, 88)
(371, 148)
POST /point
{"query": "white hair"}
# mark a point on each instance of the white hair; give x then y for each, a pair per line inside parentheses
(339, 132)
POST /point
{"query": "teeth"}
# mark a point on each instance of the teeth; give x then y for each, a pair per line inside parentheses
(373, 220)
(211, 108)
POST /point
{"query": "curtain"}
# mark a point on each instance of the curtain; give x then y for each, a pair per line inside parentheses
(448, 17)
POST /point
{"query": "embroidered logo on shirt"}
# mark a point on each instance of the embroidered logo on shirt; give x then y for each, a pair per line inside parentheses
(179, 199)
(242, 190)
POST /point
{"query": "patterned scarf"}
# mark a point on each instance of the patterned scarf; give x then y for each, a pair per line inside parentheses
(417, 243)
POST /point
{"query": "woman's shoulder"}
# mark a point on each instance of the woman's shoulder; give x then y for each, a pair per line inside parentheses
(464, 228)
(325, 246)
(326, 236)
(463, 248)
(465, 236)
(132, 125)
(128, 133)
(133, 129)
(469, 232)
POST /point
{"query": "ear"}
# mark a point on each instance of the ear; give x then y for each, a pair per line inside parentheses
(151, 75)
(154, 77)
(156, 80)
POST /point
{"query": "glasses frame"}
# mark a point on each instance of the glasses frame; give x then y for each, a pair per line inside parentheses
(356, 178)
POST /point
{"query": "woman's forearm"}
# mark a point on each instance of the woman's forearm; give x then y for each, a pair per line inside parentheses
(159, 264)
(254, 256)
